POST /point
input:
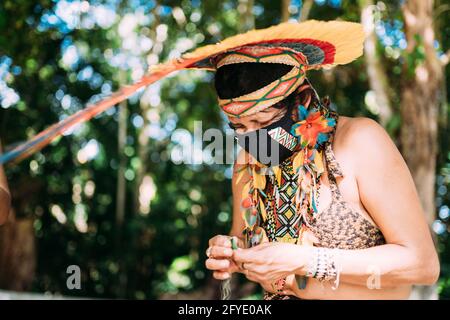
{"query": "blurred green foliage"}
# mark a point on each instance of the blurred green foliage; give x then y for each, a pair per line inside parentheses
(73, 202)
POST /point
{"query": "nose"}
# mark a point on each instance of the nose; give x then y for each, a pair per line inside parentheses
(248, 127)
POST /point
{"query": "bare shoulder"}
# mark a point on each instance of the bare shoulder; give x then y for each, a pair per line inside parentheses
(350, 129)
(365, 140)
(362, 132)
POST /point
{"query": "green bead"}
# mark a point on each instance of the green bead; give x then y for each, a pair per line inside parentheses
(234, 243)
(301, 281)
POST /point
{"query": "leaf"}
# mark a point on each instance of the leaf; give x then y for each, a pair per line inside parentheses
(244, 215)
(241, 173)
(318, 161)
(277, 171)
(259, 180)
(250, 217)
(298, 161)
(262, 208)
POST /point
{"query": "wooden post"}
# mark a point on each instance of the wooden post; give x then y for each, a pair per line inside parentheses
(421, 95)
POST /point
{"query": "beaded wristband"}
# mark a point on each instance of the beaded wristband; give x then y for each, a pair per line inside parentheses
(322, 262)
(326, 267)
(311, 266)
(336, 269)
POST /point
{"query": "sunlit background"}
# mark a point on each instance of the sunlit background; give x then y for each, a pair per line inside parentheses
(113, 195)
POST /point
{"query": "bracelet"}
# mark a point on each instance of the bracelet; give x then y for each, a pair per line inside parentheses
(326, 268)
(311, 266)
(321, 268)
(337, 268)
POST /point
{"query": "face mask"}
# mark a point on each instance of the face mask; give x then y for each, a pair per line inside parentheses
(272, 144)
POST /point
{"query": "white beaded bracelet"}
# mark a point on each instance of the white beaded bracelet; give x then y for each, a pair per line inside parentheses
(311, 266)
(324, 266)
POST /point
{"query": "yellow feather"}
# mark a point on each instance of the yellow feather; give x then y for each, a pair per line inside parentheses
(319, 162)
(347, 37)
(241, 174)
(298, 160)
(277, 172)
(259, 180)
(263, 210)
(245, 219)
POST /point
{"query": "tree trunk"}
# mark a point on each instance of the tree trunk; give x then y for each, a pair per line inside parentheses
(121, 143)
(421, 94)
(285, 10)
(246, 17)
(441, 7)
(378, 80)
(143, 138)
(305, 10)
(17, 254)
(121, 183)
(121, 187)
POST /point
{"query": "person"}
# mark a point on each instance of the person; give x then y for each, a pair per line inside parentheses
(5, 196)
(324, 206)
(335, 214)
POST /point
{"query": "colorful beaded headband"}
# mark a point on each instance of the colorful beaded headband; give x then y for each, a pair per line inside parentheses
(270, 94)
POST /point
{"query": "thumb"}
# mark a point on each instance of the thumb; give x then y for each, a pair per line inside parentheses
(242, 255)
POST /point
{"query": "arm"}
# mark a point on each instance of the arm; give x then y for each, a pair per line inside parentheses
(387, 191)
(238, 223)
(5, 197)
(220, 253)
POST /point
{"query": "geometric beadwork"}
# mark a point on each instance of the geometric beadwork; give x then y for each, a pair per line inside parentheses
(283, 137)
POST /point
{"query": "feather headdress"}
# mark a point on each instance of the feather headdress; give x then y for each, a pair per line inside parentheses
(321, 44)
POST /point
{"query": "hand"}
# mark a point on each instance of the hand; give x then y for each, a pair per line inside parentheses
(271, 261)
(220, 256)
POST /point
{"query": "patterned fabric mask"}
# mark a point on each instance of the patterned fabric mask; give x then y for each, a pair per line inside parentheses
(272, 144)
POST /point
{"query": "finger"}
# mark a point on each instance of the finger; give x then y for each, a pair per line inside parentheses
(233, 267)
(287, 292)
(240, 242)
(251, 267)
(221, 275)
(220, 240)
(220, 252)
(216, 264)
(243, 255)
(241, 269)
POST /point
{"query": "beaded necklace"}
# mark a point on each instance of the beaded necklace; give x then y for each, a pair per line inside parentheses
(283, 198)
